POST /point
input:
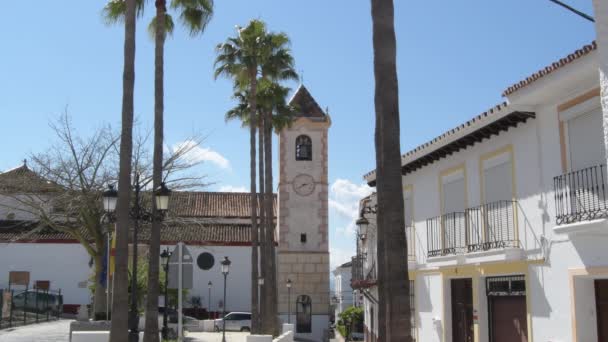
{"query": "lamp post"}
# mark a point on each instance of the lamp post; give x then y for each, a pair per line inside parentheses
(225, 269)
(209, 285)
(138, 213)
(165, 255)
(288, 284)
(110, 197)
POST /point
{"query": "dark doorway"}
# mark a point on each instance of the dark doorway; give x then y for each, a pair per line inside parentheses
(462, 310)
(507, 314)
(601, 303)
(303, 314)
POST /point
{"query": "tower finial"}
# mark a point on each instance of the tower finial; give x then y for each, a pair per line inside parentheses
(301, 76)
(25, 162)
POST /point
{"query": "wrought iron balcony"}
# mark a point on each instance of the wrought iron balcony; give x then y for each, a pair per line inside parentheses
(489, 226)
(492, 226)
(581, 195)
(446, 234)
(362, 277)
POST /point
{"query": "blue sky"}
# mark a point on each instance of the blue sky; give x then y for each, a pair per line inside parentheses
(454, 60)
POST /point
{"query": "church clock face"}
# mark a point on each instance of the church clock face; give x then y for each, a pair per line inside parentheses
(303, 184)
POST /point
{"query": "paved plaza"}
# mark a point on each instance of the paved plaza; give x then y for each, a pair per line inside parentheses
(59, 331)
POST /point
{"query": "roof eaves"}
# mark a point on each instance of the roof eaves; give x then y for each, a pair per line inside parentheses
(578, 54)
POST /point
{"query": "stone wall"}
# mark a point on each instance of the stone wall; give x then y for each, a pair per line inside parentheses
(309, 273)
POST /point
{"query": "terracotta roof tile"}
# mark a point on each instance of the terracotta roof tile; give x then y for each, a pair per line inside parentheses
(585, 50)
(211, 204)
(195, 233)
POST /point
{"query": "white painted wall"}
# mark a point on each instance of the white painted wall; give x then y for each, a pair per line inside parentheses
(238, 287)
(343, 291)
(65, 265)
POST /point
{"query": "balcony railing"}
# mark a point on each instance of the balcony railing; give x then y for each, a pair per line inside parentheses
(492, 226)
(489, 226)
(362, 277)
(446, 234)
(581, 195)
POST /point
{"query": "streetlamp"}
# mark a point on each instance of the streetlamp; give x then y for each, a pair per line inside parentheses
(363, 224)
(165, 255)
(225, 269)
(138, 213)
(110, 197)
(288, 284)
(209, 285)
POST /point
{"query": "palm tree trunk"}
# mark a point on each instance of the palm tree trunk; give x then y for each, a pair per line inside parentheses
(99, 297)
(600, 9)
(393, 292)
(262, 236)
(271, 274)
(119, 328)
(254, 194)
(151, 327)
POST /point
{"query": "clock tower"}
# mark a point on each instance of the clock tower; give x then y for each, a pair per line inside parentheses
(303, 250)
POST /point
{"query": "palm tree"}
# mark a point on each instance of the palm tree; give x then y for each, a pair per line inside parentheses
(277, 65)
(194, 15)
(237, 59)
(270, 98)
(119, 328)
(600, 9)
(393, 290)
(255, 52)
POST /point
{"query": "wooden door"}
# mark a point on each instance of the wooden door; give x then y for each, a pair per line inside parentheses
(508, 319)
(462, 310)
(601, 302)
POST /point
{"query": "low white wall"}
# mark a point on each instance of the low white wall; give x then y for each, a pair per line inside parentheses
(65, 265)
(285, 337)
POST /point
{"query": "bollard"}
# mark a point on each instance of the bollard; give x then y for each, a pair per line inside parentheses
(10, 317)
(25, 305)
(36, 302)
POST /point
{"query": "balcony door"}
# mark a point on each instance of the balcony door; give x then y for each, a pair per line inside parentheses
(586, 140)
(453, 205)
(586, 152)
(497, 209)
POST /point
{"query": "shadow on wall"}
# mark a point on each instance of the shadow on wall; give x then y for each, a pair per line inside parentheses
(530, 241)
(538, 286)
(423, 296)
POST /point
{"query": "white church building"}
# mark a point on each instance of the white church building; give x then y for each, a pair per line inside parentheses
(507, 218)
(216, 224)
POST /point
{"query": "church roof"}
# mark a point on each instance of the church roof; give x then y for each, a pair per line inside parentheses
(306, 104)
(191, 233)
(212, 204)
(23, 179)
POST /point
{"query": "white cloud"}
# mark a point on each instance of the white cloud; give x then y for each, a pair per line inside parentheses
(232, 188)
(338, 256)
(344, 200)
(202, 154)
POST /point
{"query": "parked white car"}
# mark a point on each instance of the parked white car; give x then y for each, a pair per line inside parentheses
(235, 321)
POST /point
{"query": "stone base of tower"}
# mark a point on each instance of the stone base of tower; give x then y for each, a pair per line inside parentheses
(309, 274)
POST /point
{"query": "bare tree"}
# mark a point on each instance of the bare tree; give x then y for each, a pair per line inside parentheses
(62, 191)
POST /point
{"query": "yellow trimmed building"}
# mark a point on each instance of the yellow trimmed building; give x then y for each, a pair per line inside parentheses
(507, 218)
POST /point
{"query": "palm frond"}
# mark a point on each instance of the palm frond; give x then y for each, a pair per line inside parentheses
(169, 26)
(195, 15)
(114, 11)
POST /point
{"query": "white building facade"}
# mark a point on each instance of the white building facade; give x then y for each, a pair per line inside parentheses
(343, 296)
(506, 218)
